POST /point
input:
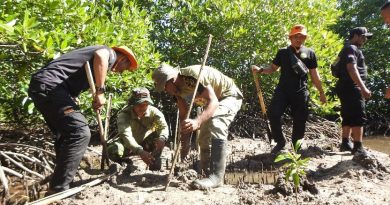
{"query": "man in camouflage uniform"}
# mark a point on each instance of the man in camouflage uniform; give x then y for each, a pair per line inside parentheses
(221, 100)
(142, 130)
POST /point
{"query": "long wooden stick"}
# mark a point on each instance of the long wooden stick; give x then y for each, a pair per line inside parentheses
(262, 106)
(98, 117)
(189, 110)
(69, 192)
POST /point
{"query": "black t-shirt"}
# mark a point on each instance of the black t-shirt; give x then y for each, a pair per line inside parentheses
(289, 80)
(68, 70)
(351, 54)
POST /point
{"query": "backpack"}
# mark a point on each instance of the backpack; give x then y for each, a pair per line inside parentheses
(335, 68)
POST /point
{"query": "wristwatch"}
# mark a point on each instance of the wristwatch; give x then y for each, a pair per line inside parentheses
(100, 89)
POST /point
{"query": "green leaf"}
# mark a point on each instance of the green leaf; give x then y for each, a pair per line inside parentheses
(280, 157)
(296, 179)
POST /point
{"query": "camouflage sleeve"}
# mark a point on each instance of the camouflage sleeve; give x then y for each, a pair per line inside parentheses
(125, 133)
(160, 125)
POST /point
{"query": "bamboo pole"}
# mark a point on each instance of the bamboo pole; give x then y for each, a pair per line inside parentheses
(69, 192)
(189, 111)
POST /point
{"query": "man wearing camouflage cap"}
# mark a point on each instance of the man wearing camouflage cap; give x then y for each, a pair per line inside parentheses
(221, 99)
(142, 130)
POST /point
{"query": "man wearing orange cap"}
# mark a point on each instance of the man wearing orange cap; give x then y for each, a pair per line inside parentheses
(295, 61)
(53, 90)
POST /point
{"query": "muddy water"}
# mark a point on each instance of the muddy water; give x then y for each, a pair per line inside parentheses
(381, 144)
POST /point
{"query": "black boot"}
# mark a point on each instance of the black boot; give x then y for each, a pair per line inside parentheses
(218, 165)
(358, 149)
(279, 146)
(346, 144)
(204, 161)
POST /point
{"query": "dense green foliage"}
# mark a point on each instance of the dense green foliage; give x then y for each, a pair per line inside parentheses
(34, 32)
(245, 32)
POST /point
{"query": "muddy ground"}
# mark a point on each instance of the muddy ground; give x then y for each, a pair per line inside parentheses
(332, 178)
(339, 178)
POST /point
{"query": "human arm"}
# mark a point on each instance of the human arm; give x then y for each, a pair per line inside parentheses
(268, 70)
(100, 67)
(354, 74)
(189, 125)
(162, 131)
(315, 78)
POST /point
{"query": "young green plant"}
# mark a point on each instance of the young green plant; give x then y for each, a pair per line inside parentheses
(294, 166)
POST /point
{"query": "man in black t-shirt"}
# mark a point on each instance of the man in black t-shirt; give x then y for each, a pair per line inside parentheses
(53, 90)
(352, 91)
(295, 61)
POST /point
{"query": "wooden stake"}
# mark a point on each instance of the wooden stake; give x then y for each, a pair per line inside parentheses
(189, 111)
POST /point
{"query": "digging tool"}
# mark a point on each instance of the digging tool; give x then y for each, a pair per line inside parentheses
(189, 111)
(98, 117)
(262, 106)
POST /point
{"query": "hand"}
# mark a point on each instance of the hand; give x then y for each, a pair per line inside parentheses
(159, 144)
(322, 98)
(146, 157)
(98, 101)
(189, 125)
(256, 69)
(366, 93)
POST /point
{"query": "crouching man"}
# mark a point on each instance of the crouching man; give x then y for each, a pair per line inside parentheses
(221, 99)
(142, 131)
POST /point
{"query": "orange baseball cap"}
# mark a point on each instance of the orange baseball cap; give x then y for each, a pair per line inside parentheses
(130, 55)
(299, 28)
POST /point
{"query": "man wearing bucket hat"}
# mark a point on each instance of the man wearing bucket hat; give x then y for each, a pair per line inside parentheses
(352, 91)
(53, 90)
(295, 61)
(221, 100)
(142, 131)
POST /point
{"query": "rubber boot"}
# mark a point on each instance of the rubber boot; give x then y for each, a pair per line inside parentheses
(204, 161)
(218, 165)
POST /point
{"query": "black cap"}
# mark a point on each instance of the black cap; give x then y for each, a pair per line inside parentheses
(360, 31)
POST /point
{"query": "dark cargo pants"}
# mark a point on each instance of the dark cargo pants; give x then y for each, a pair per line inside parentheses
(298, 101)
(69, 127)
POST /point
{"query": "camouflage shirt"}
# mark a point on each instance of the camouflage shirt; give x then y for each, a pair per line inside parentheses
(222, 85)
(133, 130)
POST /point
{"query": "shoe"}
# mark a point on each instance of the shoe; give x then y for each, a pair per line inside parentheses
(346, 145)
(218, 165)
(359, 151)
(278, 147)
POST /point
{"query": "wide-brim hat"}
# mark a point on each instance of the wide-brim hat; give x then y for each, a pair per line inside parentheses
(298, 29)
(162, 74)
(130, 55)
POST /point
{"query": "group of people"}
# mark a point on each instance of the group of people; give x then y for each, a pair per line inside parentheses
(142, 127)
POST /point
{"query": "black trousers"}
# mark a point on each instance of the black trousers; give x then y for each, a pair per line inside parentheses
(69, 126)
(352, 105)
(298, 102)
